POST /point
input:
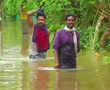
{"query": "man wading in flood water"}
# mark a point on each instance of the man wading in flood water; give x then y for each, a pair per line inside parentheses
(40, 37)
(66, 44)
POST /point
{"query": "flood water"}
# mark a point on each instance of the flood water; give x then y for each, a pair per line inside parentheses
(17, 72)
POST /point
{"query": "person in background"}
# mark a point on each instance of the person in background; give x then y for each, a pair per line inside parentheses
(25, 31)
(40, 35)
(66, 44)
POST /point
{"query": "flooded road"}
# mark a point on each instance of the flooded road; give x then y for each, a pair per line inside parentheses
(17, 72)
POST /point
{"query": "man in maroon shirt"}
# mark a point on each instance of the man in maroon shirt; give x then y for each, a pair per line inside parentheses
(67, 44)
(40, 36)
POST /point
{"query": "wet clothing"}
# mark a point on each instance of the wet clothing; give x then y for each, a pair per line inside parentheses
(40, 42)
(41, 38)
(63, 43)
(67, 56)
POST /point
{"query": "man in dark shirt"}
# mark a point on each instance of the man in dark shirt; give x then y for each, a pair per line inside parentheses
(67, 44)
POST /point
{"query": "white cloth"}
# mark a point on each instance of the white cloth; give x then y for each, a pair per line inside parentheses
(0, 19)
(33, 49)
(74, 36)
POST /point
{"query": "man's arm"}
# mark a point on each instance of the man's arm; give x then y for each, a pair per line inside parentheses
(30, 13)
(78, 43)
(56, 58)
(56, 44)
(29, 18)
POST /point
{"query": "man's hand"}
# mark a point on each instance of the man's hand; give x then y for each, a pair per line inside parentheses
(57, 59)
(57, 66)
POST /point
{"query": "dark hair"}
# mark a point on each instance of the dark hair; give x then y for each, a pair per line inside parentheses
(69, 14)
(40, 12)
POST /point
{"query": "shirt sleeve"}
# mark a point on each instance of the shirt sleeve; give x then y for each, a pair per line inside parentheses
(78, 39)
(34, 34)
(56, 42)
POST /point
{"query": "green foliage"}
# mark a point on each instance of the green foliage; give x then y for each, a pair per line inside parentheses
(106, 59)
(12, 36)
(86, 37)
(11, 7)
(107, 44)
(100, 33)
(84, 10)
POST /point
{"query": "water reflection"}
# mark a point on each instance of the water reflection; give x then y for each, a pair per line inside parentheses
(12, 34)
(25, 37)
(66, 80)
(10, 75)
(40, 78)
(27, 76)
(25, 45)
(1, 39)
(43, 80)
(18, 73)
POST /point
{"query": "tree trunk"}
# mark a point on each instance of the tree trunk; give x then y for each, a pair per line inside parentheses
(96, 30)
(105, 35)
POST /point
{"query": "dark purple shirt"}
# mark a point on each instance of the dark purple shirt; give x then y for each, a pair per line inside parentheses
(63, 36)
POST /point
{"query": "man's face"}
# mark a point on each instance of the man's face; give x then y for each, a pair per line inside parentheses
(70, 22)
(41, 20)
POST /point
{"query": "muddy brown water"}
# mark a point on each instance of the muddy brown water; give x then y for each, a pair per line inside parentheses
(18, 72)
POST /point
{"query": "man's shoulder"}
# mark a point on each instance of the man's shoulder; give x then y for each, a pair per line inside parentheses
(77, 31)
(35, 25)
(60, 30)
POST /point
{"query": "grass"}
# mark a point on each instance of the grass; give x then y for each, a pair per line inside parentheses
(50, 53)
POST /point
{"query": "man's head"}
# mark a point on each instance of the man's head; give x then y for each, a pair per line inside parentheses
(40, 17)
(70, 20)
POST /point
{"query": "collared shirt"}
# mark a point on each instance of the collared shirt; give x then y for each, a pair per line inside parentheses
(63, 36)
